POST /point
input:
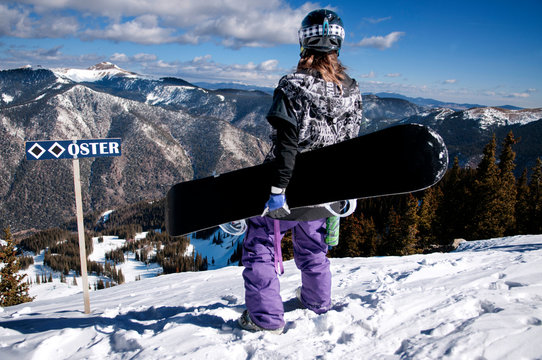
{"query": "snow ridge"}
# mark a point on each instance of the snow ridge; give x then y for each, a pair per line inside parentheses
(482, 301)
(491, 116)
(93, 73)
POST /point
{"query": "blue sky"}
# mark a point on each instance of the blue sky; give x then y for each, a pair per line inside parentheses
(484, 52)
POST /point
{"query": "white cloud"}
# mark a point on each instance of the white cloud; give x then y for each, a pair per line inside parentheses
(450, 81)
(504, 94)
(381, 42)
(14, 21)
(253, 25)
(37, 55)
(496, 96)
(235, 24)
(393, 75)
(144, 29)
(204, 68)
(119, 57)
(269, 65)
(518, 95)
(370, 75)
(18, 21)
(144, 57)
(47, 57)
(376, 20)
(164, 66)
(137, 58)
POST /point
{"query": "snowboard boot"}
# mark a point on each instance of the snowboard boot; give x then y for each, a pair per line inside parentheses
(246, 323)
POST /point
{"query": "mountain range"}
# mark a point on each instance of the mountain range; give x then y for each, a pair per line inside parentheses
(173, 131)
(163, 141)
(435, 103)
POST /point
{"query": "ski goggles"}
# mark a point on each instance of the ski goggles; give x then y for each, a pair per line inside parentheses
(321, 31)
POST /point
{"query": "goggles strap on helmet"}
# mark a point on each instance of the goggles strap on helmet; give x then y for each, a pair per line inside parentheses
(321, 31)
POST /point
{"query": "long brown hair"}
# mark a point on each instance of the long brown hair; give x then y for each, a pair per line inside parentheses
(327, 64)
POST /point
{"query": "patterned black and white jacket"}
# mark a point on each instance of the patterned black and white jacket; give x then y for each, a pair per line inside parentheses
(308, 113)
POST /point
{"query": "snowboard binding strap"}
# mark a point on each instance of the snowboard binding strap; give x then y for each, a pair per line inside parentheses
(234, 228)
(350, 207)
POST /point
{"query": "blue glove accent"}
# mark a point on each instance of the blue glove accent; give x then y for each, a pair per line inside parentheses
(276, 206)
(275, 201)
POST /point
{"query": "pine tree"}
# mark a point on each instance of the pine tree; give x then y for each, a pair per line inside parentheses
(120, 277)
(522, 204)
(455, 208)
(427, 216)
(507, 187)
(535, 196)
(392, 234)
(358, 237)
(371, 237)
(495, 192)
(13, 288)
(400, 235)
(409, 226)
(486, 222)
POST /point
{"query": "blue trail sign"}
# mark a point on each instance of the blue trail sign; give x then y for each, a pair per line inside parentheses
(72, 149)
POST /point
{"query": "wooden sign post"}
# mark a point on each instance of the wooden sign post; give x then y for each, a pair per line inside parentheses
(75, 149)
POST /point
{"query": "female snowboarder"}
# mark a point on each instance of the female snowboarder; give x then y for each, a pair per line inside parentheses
(316, 106)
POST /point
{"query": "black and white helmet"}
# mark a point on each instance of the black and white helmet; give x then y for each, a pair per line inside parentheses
(321, 31)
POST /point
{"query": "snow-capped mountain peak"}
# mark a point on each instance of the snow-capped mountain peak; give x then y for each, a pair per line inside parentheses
(105, 65)
(441, 113)
(493, 116)
(94, 73)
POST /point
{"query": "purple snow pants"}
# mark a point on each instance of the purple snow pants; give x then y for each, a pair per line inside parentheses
(262, 288)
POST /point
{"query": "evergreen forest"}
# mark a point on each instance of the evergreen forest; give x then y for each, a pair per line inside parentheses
(486, 202)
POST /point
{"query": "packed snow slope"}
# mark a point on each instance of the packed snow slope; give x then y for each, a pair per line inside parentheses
(483, 301)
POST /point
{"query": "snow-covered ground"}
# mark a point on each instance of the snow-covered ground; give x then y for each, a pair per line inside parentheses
(483, 301)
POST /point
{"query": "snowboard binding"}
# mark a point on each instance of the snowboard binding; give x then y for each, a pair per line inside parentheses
(234, 228)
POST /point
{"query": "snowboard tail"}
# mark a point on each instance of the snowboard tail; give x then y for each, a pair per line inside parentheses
(396, 160)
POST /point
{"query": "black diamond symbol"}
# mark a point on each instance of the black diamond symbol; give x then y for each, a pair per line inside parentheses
(36, 150)
(56, 149)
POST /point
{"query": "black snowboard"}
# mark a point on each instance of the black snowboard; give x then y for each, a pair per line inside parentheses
(400, 159)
